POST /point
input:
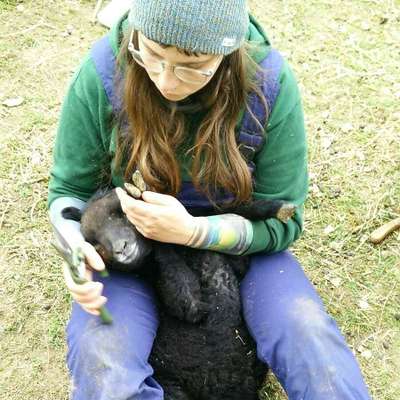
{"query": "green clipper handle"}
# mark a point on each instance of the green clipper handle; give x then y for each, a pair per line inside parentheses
(77, 259)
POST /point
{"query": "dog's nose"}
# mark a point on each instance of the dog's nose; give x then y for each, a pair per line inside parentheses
(119, 246)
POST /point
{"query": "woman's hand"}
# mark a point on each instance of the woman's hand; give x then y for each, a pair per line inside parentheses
(88, 294)
(158, 216)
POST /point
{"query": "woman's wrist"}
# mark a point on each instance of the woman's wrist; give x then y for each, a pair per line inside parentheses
(227, 233)
(197, 233)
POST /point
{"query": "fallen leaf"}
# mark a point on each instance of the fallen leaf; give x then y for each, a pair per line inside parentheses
(365, 26)
(336, 245)
(347, 127)
(315, 190)
(312, 176)
(328, 230)
(360, 155)
(325, 114)
(335, 193)
(13, 102)
(363, 304)
(335, 281)
(367, 354)
(36, 158)
(326, 142)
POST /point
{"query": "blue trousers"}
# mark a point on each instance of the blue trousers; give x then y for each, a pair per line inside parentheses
(294, 335)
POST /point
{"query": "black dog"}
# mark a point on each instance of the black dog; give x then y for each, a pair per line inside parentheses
(203, 349)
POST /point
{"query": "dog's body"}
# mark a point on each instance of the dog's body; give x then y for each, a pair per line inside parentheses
(203, 349)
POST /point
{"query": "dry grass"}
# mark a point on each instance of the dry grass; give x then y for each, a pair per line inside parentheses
(346, 57)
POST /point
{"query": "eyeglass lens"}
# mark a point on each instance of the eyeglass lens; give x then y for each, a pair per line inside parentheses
(188, 75)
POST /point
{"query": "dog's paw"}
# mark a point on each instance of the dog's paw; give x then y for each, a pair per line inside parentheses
(286, 212)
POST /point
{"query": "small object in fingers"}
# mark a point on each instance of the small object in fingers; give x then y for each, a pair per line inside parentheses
(138, 181)
(133, 190)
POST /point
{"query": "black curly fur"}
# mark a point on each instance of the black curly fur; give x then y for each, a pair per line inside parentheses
(202, 349)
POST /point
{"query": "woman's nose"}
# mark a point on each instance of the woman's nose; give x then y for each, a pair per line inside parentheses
(168, 81)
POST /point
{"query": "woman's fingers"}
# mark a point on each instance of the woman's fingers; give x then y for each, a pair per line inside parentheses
(87, 297)
(93, 258)
(94, 304)
(138, 208)
(87, 294)
(88, 274)
(93, 312)
(160, 199)
(81, 289)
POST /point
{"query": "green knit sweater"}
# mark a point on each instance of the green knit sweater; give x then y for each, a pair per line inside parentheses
(85, 146)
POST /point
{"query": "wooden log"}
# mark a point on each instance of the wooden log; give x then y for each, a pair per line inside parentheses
(378, 235)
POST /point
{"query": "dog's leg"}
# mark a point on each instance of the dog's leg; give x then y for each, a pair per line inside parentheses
(220, 289)
(262, 209)
(178, 286)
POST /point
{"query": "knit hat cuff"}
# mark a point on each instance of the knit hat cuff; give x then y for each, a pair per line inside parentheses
(211, 27)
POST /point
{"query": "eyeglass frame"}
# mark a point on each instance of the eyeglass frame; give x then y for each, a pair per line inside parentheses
(207, 74)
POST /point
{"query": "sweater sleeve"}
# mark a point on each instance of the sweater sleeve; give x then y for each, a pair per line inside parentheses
(81, 150)
(281, 168)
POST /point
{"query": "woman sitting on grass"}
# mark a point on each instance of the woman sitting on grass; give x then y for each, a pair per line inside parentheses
(187, 71)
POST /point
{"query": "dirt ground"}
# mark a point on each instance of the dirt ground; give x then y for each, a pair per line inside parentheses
(345, 54)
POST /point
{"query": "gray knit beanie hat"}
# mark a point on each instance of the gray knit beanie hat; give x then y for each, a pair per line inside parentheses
(206, 26)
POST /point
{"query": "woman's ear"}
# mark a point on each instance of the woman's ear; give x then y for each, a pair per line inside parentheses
(71, 213)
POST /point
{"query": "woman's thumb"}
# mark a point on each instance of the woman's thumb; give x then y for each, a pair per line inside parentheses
(93, 258)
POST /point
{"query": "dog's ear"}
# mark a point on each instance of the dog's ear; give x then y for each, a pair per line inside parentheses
(71, 213)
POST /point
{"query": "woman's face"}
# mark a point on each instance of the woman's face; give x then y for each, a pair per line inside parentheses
(169, 85)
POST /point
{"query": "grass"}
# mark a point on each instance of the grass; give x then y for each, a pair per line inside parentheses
(345, 55)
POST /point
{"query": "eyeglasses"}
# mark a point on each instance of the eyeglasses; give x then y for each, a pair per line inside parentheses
(153, 64)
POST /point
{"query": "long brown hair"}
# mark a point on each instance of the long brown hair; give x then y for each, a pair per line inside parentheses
(154, 131)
